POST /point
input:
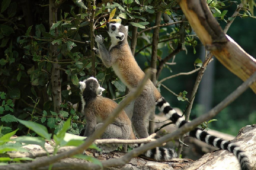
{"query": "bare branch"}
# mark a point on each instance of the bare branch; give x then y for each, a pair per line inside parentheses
(157, 26)
(236, 13)
(126, 141)
(179, 74)
(163, 61)
(164, 40)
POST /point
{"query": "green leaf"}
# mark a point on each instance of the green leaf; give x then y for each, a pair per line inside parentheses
(37, 128)
(44, 113)
(66, 126)
(74, 79)
(19, 76)
(70, 45)
(128, 1)
(55, 25)
(80, 64)
(7, 137)
(14, 93)
(143, 23)
(4, 5)
(6, 30)
(1, 110)
(123, 15)
(8, 118)
(51, 122)
(12, 9)
(22, 159)
(137, 25)
(53, 113)
(28, 30)
(198, 62)
(43, 119)
(5, 159)
(63, 113)
(119, 85)
(88, 158)
(80, 3)
(4, 42)
(2, 95)
(58, 41)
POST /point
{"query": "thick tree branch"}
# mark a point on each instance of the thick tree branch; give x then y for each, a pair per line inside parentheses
(230, 54)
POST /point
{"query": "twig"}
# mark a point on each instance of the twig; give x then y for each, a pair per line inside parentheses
(179, 74)
(126, 141)
(169, 90)
(175, 135)
(157, 26)
(163, 61)
(146, 46)
(95, 135)
(236, 13)
(163, 126)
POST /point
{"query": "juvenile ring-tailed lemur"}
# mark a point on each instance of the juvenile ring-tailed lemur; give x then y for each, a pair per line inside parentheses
(97, 108)
(120, 57)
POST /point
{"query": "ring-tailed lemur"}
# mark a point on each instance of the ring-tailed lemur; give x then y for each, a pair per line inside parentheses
(97, 108)
(120, 57)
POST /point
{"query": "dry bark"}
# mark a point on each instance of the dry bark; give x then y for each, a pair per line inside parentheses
(227, 51)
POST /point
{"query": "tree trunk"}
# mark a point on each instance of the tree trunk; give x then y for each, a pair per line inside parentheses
(226, 50)
(55, 75)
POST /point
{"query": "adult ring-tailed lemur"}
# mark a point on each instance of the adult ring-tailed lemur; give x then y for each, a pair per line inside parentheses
(97, 108)
(121, 59)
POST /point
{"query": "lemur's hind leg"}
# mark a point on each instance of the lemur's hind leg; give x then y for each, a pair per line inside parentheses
(115, 131)
(142, 107)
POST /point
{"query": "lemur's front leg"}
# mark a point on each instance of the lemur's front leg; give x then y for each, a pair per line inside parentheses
(104, 54)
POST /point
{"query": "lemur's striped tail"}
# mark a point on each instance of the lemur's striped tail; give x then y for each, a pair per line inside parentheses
(198, 133)
(159, 153)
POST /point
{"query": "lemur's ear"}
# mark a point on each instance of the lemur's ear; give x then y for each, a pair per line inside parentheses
(82, 85)
(100, 90)
(126, 27)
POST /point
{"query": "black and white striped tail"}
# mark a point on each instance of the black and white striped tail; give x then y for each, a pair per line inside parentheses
(198, 133)
(160, 153)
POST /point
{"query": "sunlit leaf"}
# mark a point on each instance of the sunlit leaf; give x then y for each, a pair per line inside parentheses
(112, 14)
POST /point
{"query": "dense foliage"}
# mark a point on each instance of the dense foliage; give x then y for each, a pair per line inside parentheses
(31, 44)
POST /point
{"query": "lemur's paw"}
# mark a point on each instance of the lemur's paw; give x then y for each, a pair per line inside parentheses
(99, 39)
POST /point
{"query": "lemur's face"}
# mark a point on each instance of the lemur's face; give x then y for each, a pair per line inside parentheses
(91, 84)
(117, 32)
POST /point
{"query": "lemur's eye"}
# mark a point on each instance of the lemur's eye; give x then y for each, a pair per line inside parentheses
(113, 27)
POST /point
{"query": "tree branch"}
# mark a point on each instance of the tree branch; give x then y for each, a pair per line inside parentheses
(163, 61)
(179, 74)
(146, 46)
(157, 26)
(126, 141)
